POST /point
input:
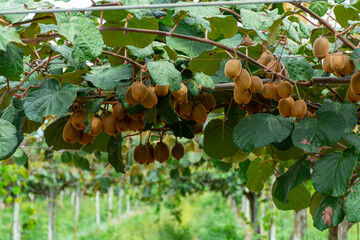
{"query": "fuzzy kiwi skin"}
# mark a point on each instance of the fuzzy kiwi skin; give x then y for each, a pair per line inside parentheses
(77, 119)
(321, 47)
(141, 154)
(161, 90)
(208, 100)
(129, 98)
(232, 68)
(326, 64)
(151, 100)
(275, 66)
(285, 105)
(337, 62)
(185, 109)
(96, 126)
(70, 134)
(198, 128)
(284, 89)
(269, 91)
(299, 109)
(119, 112)
(123, 125)
(150, 148)
(199, 113)
(109, 125)
(86, 139)
(355, 83)
(242, 96)
(178, 151)
(161, 152)
(351, 96)
(137, 116)
(243, 81)
(139, 91)
(137, 125)
(180, 93)
(349, 66)
(254, 107)
(265, 58)
(256, 84)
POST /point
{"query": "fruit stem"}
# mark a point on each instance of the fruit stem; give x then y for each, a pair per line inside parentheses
(231, 101)
(297, 91)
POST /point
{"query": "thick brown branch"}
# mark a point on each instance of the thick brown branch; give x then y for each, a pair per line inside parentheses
(30, 21)
(232, 12)
(40, 39)
(125, 58)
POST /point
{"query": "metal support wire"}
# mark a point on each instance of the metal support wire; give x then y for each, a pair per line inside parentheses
(150, 6)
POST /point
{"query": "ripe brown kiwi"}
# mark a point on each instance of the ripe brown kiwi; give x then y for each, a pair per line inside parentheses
(232, 68)
(77, 119)
(86, 139)
(129, 98)
(265, 58)
(180, 93)
(139, 91)
(70, 134)
(198, 128)
(161, 90)
(109, 124)
(269, 91)
(243, 81)
(123, 125)
(285, 105)
(299, 109)
(326, 64)
(119, 112)
(178, 151)
(321, 47)
(256, 84)
(274, 65)
(349, 66)
(137, 125)
(284, 89)
(96, 126)
(254, 107)
(337, 62)
(137, 116)
(199, 113)
(355, 83)
(242, 96)
(150, 148)
(185, 109)
(141, 154)
(161, 152)
(351, 96)
(151, 100)
(208, 100)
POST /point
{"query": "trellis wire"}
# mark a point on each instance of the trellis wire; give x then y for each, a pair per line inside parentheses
(150, 6)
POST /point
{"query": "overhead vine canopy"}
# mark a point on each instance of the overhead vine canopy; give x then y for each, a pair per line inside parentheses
(92, 79)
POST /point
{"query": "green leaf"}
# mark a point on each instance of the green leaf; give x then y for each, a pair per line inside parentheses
(290, 28)
(315, 202)
(221, 166)
(104, 183)
(355, 56)
(182, 129)
(331, 123)
(166, 110)
(258, 20)
(330, 213)
(66, 157)
(114, 154)
(222, 26)
(20, 157)
(353, 140)
(101, 143)
(141, 52)
(218, 139)
(81, 162)
(83, 33)
(49, 99)
(345, 13)
(204, 80)
(352, 204)
(299, 198)
(107, 78)
(8, 139)
(332, 173)
(208, 62)
(8, 35)
(296, 174)
(11, 62)
(260, 130)
(164, 73)
(320, 8)
(54, 135)
(298, 67)
(67, 53)
(258, 173)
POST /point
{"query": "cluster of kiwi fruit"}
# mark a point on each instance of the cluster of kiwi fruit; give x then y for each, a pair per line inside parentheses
(147, 153)
(138, 92)
(270, 61)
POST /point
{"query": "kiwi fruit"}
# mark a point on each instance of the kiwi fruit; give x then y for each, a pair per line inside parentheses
(161, 152)
(337, 62)
(242, 96)
(243, 81)
(269, 91)
(123, 125)
(96, 126)
(299, 109)
(308, 114)
(180, 93)
(70, 134)
(351, 96)
(326, 64)
(355, 83)
(119, 112)
(349, 66)
(161, 90)
(232, 68)
(86, 139)
(151, 100)
(137, 116)
(284, 89)
(185, 109)
(137, 125)
(208, 100)
(275, 66)
(198, 128)
(199, 113)
(178, 151)
(285, 105)
(129, 98)
(321, 47)
(141, 154)
(256, 84)
(265, 58)
(150, 148)
(77, 119)
(139, 91)
(109, 124)
(254, 107)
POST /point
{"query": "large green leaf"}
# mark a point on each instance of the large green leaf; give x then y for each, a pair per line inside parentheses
(166, 111)
(299, 198)
(11, 62)
(258, 173)
(100, 143)
(83, 33)
(296, 174)
(198, 15)
(20, 157)
(258, 20)
(332, 173)
(8, 35)
(8, 139)
(114, 154)
(330, 213)
(298, 68)
(222, 26)
(315, 202)
(218, 139)
(345, 13)
(260, 130)
(204, 80)
(164, 73)
(209, 62)
(108, 78)
(352, 204)
(320, 8)
(49, 99)
(355, 56)
(353, 139)
(332, 122)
